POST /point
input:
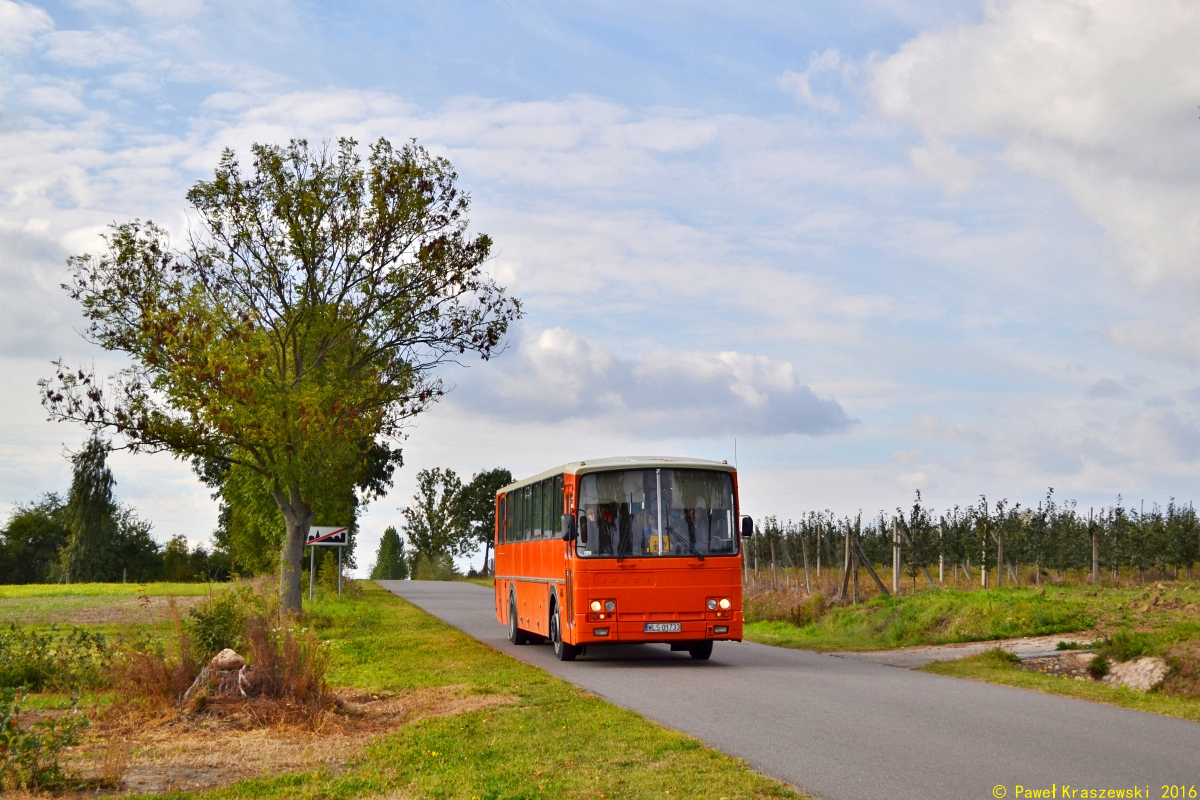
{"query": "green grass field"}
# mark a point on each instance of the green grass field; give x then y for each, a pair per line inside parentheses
(106, 589)
(556, 740)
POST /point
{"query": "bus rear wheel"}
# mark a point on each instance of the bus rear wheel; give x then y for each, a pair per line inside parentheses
(515, 634)
(563, 651)
(700, 650)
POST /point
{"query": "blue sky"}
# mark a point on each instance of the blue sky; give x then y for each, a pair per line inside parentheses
(887, 246)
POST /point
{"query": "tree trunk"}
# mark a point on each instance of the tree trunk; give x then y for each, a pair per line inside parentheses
(297, 517)
(487, 551)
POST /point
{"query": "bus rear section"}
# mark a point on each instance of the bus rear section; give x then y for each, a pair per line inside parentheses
(645, 550)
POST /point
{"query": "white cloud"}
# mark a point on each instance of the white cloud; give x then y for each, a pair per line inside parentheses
(1096, 95)
(556, 375)
(93, 48)
(1150, 337)
(55, 99)
(942, 164)
(799, 84)
(19, 24)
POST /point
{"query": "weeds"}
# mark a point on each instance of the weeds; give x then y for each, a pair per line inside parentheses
(998, 657)
(1126, 645)
(1071, 646)
(286, 666)
(29, 756)
(77, 659)
(220, 621)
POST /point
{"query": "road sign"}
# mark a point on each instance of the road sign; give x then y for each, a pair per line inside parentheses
(328, 536)
(325, 536)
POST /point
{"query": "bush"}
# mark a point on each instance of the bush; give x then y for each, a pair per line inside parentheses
(1098, 667)
(29, 755)
(220, 622)
(77, 659)
(144, 671)
(290, 665)
(434, 568)
(1125, 645)
(999, 657)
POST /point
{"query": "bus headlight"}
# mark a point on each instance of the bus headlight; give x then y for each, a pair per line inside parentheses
(712, 604)
(724, 604)
(610, 605)
(596, 605)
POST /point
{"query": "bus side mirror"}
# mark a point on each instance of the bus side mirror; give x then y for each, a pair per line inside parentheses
(568, 527)
(747, 527)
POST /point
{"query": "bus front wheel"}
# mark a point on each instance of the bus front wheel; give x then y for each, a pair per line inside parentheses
(700, 650)
(563, 651)
(515, 634)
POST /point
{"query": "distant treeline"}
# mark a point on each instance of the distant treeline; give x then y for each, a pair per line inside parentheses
(1051, 538)
(88, 536)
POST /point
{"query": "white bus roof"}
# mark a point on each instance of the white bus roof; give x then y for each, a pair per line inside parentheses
(625, 462)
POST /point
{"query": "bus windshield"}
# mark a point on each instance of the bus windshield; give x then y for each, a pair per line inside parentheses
(620, 515)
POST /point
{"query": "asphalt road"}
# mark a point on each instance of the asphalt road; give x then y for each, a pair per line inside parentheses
(852, 730)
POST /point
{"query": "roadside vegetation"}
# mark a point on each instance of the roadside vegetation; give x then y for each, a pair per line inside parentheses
(415, 708)
(1124, 622)
(813, 622)
(996, 666)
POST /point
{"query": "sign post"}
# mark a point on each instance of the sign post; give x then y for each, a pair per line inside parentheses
(325, 536)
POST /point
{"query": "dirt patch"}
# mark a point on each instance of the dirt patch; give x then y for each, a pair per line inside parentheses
(231, 741)
(93, 610)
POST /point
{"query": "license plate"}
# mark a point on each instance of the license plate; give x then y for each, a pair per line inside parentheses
(663, 627)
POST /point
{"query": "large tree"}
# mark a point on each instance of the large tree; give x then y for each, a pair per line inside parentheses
(35, 535)
(436, 527)
(308, 313)
(477, 502)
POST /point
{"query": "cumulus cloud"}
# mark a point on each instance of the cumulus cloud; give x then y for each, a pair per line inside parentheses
(557, 375)
(19, 24)
(1096, 95)
(942, 164)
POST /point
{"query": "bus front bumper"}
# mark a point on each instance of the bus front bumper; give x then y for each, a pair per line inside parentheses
(590, 631)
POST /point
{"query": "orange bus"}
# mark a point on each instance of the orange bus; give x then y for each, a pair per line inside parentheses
(621, 550)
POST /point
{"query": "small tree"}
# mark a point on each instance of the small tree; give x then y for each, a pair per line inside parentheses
(390, 564)
(304, 322)
(177, 562)
(477, 506)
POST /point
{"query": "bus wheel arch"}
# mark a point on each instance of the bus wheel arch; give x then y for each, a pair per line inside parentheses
(516, 634)
(563, 650)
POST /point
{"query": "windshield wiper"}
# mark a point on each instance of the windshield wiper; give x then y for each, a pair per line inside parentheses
(686, 543)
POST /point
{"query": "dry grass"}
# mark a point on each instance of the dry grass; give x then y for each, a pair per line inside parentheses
(232, 740)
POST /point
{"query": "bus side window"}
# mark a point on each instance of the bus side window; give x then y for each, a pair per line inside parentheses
(527, 515)
(556, 510)
(535, 513)
(547, 507)
(502, 520)
(514, 525)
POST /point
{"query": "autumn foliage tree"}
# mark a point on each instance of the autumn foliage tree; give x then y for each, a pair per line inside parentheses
(301, 326)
